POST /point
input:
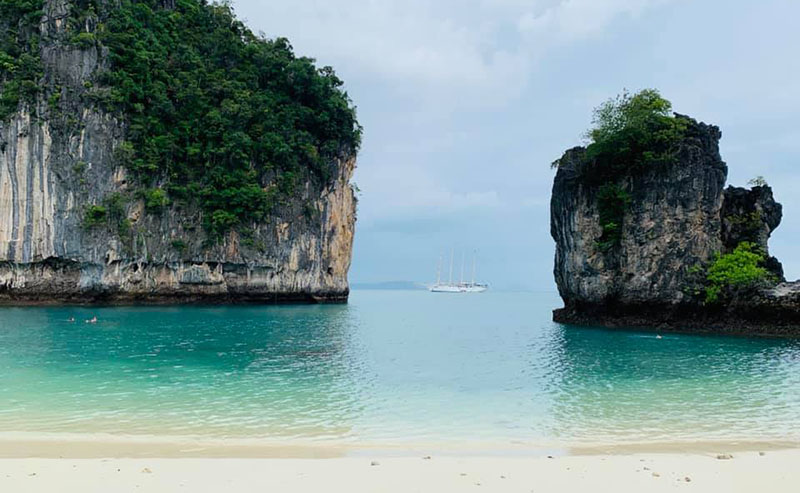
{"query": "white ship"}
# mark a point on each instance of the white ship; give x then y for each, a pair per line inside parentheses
(461, 286)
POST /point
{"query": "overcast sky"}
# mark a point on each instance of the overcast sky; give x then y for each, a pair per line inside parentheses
(466, 103)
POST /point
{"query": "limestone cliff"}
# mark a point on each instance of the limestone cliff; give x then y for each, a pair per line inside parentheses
(679, 216)
(57, 157)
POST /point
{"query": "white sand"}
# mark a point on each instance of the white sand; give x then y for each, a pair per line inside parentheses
(775, 471)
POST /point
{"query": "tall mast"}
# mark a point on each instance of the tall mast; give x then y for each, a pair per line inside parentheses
(462, 266)
(452, 253)
(473, 268)
(439, 270)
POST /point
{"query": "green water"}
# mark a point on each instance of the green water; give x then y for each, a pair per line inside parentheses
(391, 366)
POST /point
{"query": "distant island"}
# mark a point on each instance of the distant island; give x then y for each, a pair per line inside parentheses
(390, 286)
(159, 151)
(647, 235)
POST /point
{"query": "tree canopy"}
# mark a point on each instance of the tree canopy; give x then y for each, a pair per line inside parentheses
(214, 114)
(742, 268)
(630, 132)
(218, 114)
(20, 64)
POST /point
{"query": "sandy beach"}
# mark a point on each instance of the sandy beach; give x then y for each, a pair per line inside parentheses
(745, 471)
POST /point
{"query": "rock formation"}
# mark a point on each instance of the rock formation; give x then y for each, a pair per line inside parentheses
(679, 217)
(57, 161)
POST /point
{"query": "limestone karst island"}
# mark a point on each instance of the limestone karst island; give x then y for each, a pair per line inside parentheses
(648, 235)
(303, 246)
(161, 152)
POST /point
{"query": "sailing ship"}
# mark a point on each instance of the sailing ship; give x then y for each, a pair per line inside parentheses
(461, 286)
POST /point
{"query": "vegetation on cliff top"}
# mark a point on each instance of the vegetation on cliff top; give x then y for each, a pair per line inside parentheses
(215, 115)
(20, 64)
(629, 133)
(218, 114)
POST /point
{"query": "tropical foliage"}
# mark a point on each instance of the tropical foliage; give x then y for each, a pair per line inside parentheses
(631, 132)
(742, 268)
(20, 64)
(215, 115)
(612, 201)
(218, 114)
(758, 181)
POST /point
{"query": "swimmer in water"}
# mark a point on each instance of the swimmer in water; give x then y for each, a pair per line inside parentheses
(92, 320)
(71, 319)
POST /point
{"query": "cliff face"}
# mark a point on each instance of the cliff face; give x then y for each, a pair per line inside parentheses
(751, 215)
(58, 159)
(679, 216)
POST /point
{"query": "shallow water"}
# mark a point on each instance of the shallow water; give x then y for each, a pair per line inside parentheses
(391, 366)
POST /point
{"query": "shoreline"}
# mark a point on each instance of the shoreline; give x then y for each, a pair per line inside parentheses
(105, 300)
(93, 446)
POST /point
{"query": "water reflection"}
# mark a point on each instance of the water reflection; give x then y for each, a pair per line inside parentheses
(388, 367)
(618, 385)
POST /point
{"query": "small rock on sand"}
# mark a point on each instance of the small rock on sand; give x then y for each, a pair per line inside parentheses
(427, 457)
(374, 463)
(147, 470)
(762, 454)
(656, 475)
(724, 456)
(687, 479)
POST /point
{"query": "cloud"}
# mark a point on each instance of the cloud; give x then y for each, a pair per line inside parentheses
(575, 20)
(474, 53)
(412, 192)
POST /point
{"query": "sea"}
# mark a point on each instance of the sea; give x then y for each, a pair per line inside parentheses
(388, 368)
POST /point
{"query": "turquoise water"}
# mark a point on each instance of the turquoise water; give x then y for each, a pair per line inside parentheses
(391, 366)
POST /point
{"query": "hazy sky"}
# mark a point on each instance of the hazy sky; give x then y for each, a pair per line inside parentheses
(466, 103)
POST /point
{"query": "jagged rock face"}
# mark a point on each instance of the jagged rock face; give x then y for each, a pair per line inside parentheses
(751, 215)
(55, 166)
(678, 218)
(671, 224)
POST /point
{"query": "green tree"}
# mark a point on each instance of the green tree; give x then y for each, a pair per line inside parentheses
(155, 199)
(20, 64)
(215, 115)
(744, 267)
(95, 215)
(631, 132)
(612, 201)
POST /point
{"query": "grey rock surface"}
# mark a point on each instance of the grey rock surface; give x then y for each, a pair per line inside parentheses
(679, 217)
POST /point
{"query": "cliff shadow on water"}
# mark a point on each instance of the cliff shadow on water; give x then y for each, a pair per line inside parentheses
(647, 235)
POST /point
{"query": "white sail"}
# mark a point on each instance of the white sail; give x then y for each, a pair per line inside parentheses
(452, 252)
(461, 286)
(439, 270)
